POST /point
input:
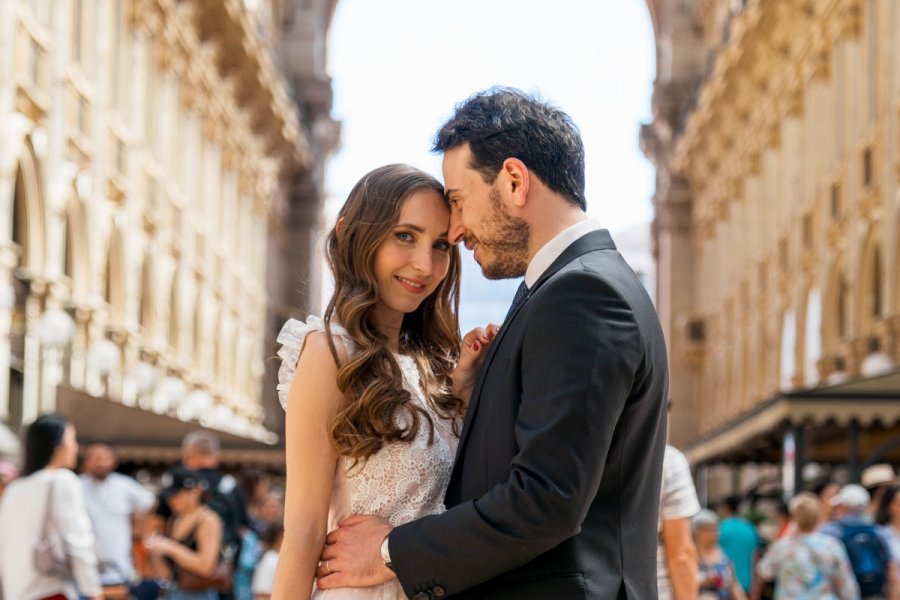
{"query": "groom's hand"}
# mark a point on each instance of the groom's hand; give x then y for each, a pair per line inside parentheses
(352, 554)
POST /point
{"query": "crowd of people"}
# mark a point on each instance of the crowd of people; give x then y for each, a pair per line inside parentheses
(202, 534)
(837, 542)
(99, 534)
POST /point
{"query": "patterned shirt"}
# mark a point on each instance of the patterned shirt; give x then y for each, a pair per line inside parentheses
(678, 500)
(811, 566)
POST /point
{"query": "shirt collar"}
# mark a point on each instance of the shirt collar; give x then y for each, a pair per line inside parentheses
(550, 251)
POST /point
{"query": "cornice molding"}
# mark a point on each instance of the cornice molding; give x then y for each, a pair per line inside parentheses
(757, 82)
(193, 36)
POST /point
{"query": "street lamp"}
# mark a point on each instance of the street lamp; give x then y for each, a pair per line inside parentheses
(55, 331)
(56, 327)
(144, 376)
(259, 432)
(876, 363)
(167, 394)
(104, 356)
(195, 403)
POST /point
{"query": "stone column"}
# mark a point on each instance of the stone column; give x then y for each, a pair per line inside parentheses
(675, 304)
(31, 399)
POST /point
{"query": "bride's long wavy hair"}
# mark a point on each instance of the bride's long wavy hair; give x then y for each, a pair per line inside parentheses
(377, 409)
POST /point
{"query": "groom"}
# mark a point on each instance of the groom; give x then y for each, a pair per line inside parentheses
(555, 489)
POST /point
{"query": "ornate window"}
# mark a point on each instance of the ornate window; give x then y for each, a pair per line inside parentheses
(836, 201)
(843, 308)
(875, 280)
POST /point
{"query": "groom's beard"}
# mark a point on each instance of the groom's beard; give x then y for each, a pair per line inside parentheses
(504, 243)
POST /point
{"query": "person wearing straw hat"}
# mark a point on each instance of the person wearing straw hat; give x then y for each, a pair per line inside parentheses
(875, 479)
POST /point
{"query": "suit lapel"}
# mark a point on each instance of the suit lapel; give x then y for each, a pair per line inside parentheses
(595, 240)
(482, 375)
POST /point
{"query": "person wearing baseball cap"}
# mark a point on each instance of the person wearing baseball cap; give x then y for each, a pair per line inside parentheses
(853, 499)
(866, 548)
(193, 542)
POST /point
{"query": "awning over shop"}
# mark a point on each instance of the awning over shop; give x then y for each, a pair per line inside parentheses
(866, 401)
(143, 436)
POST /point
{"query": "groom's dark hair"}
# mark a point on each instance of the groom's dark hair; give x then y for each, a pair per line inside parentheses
(500, 123)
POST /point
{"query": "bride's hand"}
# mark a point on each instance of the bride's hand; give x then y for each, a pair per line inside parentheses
(471, 354)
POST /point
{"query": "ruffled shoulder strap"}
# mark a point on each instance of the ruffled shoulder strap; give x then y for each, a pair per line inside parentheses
(291, 338)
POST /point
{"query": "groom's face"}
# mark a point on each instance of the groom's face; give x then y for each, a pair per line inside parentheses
(480, 219)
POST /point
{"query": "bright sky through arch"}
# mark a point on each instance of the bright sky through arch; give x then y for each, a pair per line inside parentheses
(399, 67)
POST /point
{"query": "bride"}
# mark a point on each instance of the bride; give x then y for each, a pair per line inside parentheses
(375, 391)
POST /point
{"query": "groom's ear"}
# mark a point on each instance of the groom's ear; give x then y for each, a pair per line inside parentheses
(517, 180)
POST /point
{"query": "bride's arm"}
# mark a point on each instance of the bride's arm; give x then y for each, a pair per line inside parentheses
(313, 401)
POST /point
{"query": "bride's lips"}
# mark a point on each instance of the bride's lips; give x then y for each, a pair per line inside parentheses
(412, 285)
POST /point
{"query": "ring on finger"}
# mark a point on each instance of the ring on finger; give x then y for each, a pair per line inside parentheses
(328, 568)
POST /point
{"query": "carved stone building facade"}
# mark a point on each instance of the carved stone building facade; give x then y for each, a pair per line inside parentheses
(775, 138)
(160, 180)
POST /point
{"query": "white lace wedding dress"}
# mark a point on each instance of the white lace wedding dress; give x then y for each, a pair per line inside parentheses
(401, 482)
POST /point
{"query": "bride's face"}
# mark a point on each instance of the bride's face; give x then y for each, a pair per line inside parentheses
(411, 263)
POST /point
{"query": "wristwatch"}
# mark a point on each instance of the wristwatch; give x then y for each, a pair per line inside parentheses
(386, 554)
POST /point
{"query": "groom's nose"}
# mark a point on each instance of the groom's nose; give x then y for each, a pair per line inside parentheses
(457, 232)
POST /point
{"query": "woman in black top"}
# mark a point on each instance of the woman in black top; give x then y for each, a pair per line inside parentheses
(194, 539)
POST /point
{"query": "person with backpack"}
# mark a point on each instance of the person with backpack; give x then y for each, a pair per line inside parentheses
(866, 548)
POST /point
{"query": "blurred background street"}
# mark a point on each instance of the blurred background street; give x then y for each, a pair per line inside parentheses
(168, 169)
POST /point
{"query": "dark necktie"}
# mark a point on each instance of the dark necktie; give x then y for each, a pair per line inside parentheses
(521, 293)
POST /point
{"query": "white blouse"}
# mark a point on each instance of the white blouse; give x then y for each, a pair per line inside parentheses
(23, 507)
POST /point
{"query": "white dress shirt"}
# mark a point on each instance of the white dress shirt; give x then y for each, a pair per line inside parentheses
(23, 508)
(110, 504)
(552, 250)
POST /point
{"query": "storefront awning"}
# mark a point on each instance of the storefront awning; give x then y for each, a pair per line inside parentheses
(867, 401)
(146, 437)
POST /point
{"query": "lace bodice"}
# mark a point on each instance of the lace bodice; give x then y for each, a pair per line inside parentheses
(403, 480)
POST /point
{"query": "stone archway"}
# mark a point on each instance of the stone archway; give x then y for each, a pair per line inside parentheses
(22, 261)
(26, 213)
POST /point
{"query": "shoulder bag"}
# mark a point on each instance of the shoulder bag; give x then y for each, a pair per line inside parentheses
(50, 556)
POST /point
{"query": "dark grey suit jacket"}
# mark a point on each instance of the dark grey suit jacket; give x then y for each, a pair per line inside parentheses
(555, 489)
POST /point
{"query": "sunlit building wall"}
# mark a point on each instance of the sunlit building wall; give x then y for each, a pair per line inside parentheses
(776, 231)
(150, 153)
